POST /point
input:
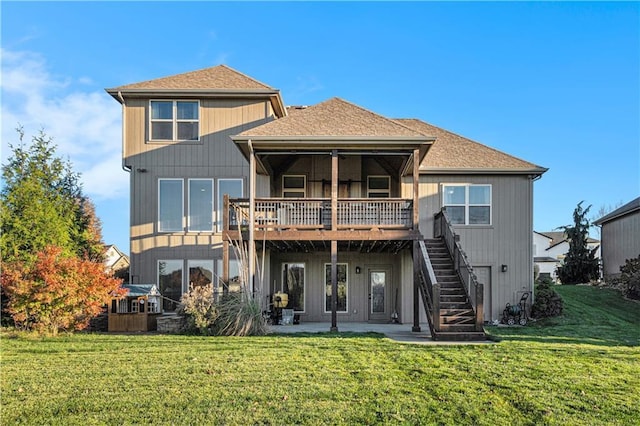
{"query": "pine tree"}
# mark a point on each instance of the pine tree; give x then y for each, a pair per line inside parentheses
(43, 204)
(580, 265)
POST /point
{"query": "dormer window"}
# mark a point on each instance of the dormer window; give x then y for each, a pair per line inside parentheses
(174, 120)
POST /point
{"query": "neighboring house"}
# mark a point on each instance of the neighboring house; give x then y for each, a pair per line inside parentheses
(343, 206)
(620, 236)
(546, 264)
(548, 257)
(114, 259)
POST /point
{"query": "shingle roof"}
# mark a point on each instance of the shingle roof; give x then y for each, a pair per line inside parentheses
(457, 153)
(558, 237)
(627, 208)
(219, 77)
(333, 118)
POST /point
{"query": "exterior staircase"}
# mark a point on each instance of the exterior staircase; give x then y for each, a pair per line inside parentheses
(456, 316)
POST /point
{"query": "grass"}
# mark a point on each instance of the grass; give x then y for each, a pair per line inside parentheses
(582, 368)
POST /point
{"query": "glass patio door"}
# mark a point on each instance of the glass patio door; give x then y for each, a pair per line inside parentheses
(379, 294)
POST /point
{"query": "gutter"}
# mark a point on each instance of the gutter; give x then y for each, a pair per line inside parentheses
(124, 119)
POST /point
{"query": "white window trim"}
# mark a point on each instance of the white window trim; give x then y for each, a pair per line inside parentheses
(189, 205)
(324, 299)
(174, 120)
(379, 191)
(181, 207)
(467, 205)
(304, 189)
(217, 215)
(304, 287)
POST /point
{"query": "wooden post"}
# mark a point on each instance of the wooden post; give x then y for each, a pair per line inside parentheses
(225, 245)
(436, 309)
(479, 307)
(334, 243)
(416, 188)
(252, 204)
(416, 295)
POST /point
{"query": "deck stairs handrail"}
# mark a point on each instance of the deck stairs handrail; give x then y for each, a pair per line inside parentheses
(475, 290)
(429, 287)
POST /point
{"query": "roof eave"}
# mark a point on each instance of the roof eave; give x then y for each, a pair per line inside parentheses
(247, 93)
(536, 172)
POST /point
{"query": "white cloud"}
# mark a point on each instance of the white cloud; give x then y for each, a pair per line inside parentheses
(85, 125)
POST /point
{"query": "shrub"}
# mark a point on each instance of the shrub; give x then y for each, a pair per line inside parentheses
(199, 309)
(630, 278)
(548, 302)
(56, 292)
(239, 314)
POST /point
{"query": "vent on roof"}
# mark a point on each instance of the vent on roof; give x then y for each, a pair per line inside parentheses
(297, 107)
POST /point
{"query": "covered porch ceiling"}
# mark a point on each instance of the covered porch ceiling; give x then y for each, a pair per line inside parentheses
(353, 246)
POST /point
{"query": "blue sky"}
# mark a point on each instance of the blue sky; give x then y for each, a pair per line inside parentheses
(557, 84)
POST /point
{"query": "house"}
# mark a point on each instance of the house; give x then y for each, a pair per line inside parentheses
(545, 263)
(620, 233)
(550, 249)
(353, 215)
(115, 260)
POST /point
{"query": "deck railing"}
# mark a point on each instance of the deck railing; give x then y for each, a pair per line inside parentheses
(315, 213)
(475, 291)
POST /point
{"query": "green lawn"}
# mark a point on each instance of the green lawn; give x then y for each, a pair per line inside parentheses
(583, 368)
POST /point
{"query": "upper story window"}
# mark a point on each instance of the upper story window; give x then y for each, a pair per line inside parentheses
(175, 120)
(378, 186)
(200, 205)
(294, 186)
(467, 204)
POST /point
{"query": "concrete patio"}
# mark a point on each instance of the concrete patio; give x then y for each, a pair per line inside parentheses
(397, 332)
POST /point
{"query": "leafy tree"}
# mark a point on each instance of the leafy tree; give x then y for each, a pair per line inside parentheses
(42, 207)
(580, 264)
(43, 204)
(56, 291)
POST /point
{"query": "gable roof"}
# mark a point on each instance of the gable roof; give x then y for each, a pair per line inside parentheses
(334, 118)
(559, 237)
(633, 205)
(213, 81)
(452, 153)
(218, 77)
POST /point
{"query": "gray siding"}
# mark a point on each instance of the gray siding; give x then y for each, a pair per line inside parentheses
(620, 240)
(507, 241)
(357, 283)
(214, 156)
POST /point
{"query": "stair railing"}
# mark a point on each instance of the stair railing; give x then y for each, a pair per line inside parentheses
(442, 228)
(429, 287)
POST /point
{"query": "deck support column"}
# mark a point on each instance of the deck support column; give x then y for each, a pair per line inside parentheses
(416, 248)
(416, 295)
(225, 248)
(334, 243)
(251, 252)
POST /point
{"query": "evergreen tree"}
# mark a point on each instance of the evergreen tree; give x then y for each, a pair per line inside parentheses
(43, 204)
(580, 265)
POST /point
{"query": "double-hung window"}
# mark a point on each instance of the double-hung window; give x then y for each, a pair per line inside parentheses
(378, 186)
(175, 120)
(170, 202)
(467, 204)
(294, 186)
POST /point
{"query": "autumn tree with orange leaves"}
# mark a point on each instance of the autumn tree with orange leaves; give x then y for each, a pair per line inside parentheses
(53, 276)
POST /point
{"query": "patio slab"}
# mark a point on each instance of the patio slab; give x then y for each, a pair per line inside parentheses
(396, 332)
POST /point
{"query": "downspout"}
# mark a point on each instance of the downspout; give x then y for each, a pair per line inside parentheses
(128, 170)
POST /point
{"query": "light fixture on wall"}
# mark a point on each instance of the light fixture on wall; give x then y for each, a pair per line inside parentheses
(503, 268)
(358, 270)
